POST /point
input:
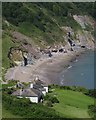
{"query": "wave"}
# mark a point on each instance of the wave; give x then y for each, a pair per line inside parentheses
(69, 67)
(76, 60)
(62, 82)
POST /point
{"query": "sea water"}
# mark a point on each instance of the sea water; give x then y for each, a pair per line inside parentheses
(80, 72)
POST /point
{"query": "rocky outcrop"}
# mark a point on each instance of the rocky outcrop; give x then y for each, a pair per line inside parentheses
(83, 36)
(84, 21)
(26, 43)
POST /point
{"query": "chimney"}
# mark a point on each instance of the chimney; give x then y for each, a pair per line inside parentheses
(31, 85)
(37, 78)
(21, 90)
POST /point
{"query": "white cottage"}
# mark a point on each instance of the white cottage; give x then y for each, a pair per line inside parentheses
(34, 95)
(34, 91)
(40, 86)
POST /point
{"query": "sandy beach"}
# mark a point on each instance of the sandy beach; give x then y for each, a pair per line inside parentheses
(47, 69)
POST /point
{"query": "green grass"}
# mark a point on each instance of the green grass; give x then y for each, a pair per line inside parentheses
(0, 110)
(6, 45)
(38, 35)
(72, 104)
(33, 32)
(0, 85)
(8, 114)
(28, 29)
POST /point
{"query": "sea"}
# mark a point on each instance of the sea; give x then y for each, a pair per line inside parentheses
(80, 72)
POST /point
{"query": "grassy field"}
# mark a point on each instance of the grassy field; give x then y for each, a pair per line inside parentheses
(8, 114)
(72, 104)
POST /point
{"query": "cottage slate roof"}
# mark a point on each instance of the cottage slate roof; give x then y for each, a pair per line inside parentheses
(39, 87)
(28, 92)
(40, 83)
(19, 84)
(17, 93)
(31, 92)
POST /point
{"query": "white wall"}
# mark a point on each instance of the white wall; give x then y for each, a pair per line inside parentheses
(46, 89)
(31, 85)
(19, 96)
(33, 99)
(44, 92)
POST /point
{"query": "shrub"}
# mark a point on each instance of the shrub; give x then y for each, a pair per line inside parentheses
(48, 103)
(91, 93)
(51, 98)
(54, 100)
(92, 110)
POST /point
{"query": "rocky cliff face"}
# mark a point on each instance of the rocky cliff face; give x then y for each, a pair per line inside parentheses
(82, 36)
(37, 26)
(85, 37)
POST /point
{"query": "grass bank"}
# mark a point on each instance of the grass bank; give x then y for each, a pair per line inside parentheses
(71, 104)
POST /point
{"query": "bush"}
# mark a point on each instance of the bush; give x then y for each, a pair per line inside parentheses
(92, 110)
(54, 100)
(48, 103)
(91, 93)
(51, 98)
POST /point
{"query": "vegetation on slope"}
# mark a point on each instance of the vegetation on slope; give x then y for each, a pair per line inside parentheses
(43, 21)
(17, 108)
(62, 103)
(72, 104)
(6, 47)
(8, 114)
(23, 107)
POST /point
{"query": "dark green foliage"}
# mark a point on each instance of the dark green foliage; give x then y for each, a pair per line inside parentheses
(92, 93)
(45, 19)
(74, 88)
(86, 8)
(94, 10)
(48, 103)
(23, 107)
(10, 84)
(92, 111)
(19, 12)
(51, 98)
(54, 100)
(94, 32)
(12, 12)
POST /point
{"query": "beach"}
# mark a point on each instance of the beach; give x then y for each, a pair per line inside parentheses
(47, 69)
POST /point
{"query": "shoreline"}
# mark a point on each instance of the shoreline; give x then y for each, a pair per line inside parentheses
(52, 72)
(47, 69)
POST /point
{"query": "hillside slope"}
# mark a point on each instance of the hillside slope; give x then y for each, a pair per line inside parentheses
(34, 26)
